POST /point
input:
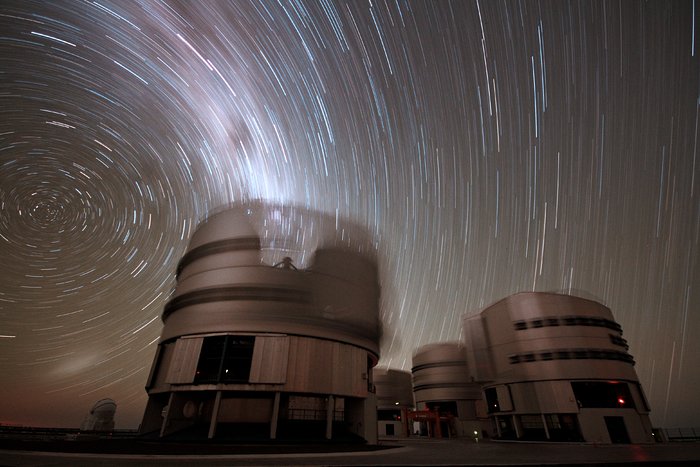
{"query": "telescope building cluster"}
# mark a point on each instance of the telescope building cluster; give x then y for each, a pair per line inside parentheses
(273, 331)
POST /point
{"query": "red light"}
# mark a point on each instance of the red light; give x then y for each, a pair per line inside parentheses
(621, 401)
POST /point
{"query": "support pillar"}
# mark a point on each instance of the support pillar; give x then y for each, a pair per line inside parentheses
(214, 415)
(330, 410)
(546, 429)
(275, 416)
(516, 425)
(166, 418)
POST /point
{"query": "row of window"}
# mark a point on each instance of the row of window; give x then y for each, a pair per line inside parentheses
(567, 321)
(617, 340)
(571, 354)
(588, 394)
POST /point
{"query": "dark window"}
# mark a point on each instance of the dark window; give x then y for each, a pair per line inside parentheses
(209, 365)
(599, 322)
(617, 340)
(492, 400)
(444, 408)
(537, 323)
(607, 395)
(238, 358)
(225, 359)
(389, 415)
(389, 430)
(570, 321)
(552, 321)
(568, 354)
(520, 325)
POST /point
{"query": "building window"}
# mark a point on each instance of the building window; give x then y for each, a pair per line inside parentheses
(209, 364)
(567, 321)
(602, 394)
(570, 321)
(237, 359)
(388, 415)
(492, 400)
(444, 408)
(225, 359)
(568, 354)
(617, 340)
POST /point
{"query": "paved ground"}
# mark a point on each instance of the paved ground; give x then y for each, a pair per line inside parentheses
(410, 452)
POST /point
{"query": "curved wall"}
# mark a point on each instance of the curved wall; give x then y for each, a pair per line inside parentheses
(536, 336)
(225, 284)
(274, 315)
(440, 373)
(393, 388)
(556, 367)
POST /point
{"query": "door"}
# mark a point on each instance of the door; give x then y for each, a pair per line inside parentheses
(617, 430)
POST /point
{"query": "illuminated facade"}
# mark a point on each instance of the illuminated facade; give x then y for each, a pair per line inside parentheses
(272, 331)
(447, 400)
(556, 367)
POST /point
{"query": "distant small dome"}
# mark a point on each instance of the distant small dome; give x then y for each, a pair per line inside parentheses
(104, 406)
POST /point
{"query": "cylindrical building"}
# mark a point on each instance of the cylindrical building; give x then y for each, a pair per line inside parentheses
(556, 367)
(446, 398)
(272, 329)
(394, 400)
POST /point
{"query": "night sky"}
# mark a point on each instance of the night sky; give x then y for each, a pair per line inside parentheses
(489, 147)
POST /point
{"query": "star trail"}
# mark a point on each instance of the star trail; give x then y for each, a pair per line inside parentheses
(490, 147)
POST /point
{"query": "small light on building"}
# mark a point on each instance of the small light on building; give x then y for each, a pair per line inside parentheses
(620, 401)
(396, 403)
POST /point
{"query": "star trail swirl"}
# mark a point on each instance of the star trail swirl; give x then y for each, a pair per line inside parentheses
(490, 147)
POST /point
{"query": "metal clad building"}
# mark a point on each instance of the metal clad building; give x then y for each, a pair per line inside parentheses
(556, 367)
(394, 401)
(447, 399)
(272, 329)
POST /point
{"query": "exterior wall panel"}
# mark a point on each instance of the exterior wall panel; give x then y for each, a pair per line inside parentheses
(183, 366)
(270, 359)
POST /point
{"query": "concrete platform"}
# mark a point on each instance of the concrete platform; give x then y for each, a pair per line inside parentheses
(390, 453)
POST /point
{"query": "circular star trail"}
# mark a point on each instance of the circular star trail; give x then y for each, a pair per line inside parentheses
(489, 148)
